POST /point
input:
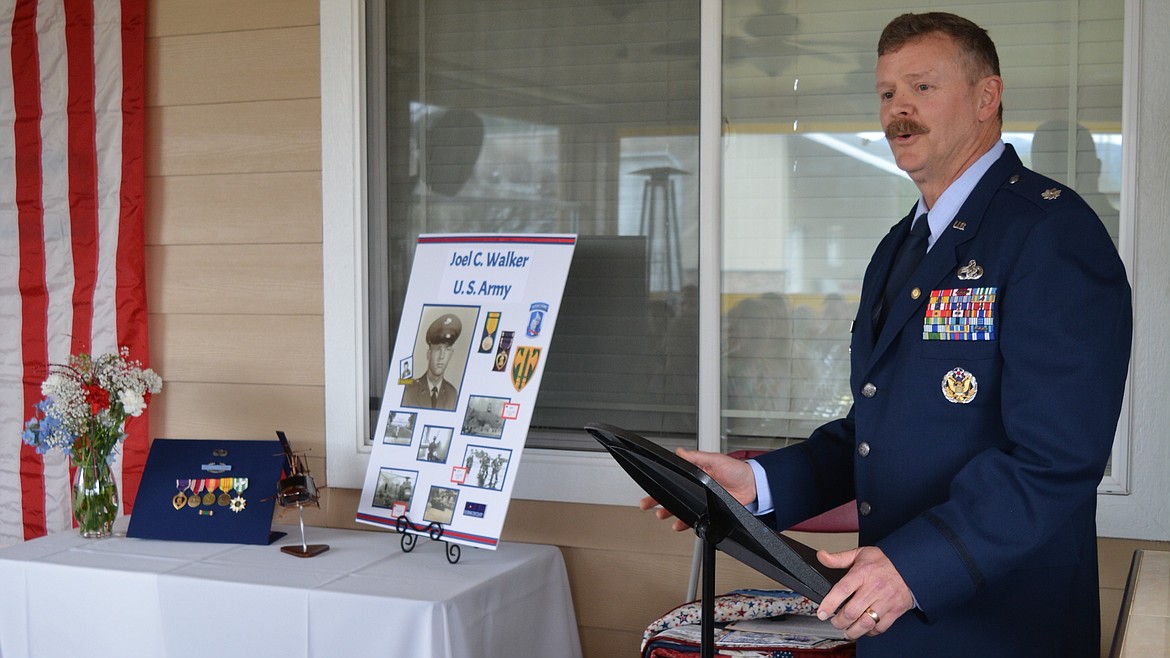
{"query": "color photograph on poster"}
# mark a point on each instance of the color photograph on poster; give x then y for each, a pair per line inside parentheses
(471, 346)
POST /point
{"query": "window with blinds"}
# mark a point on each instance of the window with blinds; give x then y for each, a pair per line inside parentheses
(564, 116)
(581, 116)
(810, 186)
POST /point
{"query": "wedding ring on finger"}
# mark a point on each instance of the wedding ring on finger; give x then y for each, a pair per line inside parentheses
(873, 615)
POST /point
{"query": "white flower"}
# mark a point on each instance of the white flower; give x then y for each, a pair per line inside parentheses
(132, 401)
(51, 385)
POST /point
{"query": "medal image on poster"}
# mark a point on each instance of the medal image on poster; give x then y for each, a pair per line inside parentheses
(473, 337)
(488, 341)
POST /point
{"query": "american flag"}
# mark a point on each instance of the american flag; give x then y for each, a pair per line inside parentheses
(72, 275)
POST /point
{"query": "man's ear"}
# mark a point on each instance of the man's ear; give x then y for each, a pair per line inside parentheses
(990, 97)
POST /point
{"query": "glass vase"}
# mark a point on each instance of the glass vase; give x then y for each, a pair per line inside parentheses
(95, 497)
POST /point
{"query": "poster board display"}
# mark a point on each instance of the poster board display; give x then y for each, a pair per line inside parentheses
(472, 343)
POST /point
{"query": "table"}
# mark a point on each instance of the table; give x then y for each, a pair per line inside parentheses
(364, 597)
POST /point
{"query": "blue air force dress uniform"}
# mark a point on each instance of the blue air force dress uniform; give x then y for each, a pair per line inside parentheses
(983, 416)
(444, 330)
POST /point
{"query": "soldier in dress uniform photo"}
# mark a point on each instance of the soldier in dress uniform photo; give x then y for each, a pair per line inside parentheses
(433, 390)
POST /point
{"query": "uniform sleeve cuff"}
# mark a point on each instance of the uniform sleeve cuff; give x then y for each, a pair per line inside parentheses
(763, 503)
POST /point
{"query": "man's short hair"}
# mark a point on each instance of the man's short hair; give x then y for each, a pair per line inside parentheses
(980, 58)
(977, 47)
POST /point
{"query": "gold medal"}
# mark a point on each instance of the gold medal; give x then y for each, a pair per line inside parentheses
(209, 497)
(180, 498)
(224, 499)
(196, 487)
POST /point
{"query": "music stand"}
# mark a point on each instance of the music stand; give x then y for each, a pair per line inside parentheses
(687, 492)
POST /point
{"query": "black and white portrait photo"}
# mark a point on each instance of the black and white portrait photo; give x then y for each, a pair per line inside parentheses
(442, 343)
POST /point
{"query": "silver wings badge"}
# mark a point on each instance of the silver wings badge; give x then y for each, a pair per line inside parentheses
(970, 271)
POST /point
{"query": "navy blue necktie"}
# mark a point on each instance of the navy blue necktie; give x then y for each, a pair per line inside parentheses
(909, 255)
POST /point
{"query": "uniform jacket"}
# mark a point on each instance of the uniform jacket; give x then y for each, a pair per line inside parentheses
(986, 507)
(416, 394)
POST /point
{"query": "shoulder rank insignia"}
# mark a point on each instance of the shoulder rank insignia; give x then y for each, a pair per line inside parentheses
(970, 271)
(1050, 194)
(959, 386)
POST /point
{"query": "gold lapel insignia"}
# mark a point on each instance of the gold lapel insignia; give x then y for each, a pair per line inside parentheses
(1050, 194)
(970, 271)
(959, 386)
(959, 226)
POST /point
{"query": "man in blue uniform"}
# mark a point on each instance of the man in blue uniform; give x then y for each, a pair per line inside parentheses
(988, 362)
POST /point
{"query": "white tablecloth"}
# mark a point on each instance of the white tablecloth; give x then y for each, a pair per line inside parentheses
(364, 597)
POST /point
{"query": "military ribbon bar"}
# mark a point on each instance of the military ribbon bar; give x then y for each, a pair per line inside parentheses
(960, 314)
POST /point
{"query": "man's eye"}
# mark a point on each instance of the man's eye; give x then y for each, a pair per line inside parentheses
(923, 87)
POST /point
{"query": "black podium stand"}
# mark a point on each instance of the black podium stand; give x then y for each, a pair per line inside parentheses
(718, 519)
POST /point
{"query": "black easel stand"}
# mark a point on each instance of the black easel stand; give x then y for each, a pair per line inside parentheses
(434, 531)
(719, 520)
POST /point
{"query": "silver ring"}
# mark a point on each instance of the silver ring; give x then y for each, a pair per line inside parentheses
(873, 615)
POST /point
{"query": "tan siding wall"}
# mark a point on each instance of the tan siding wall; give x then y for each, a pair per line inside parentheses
(234, 220)
(234, 268)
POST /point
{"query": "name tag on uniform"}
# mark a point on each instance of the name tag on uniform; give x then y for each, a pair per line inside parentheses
(960, 314)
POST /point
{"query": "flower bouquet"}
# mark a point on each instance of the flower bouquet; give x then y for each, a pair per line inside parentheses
(83, 414)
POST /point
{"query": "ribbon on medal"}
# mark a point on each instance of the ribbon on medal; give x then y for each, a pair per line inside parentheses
(238, 503)
(180, 499)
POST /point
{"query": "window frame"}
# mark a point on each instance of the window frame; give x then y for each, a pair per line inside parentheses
(578, 476)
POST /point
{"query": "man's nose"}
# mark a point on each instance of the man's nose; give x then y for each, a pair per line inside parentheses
(899, 105)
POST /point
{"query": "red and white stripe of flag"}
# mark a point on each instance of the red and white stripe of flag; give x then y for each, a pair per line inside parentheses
(72, 276)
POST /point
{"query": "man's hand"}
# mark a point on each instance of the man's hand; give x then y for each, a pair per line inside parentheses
(872, 583)
(732, 474)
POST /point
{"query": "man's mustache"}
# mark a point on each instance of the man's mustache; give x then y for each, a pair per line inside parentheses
(905, 127)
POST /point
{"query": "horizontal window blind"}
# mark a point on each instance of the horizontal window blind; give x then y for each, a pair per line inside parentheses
(581, 116)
